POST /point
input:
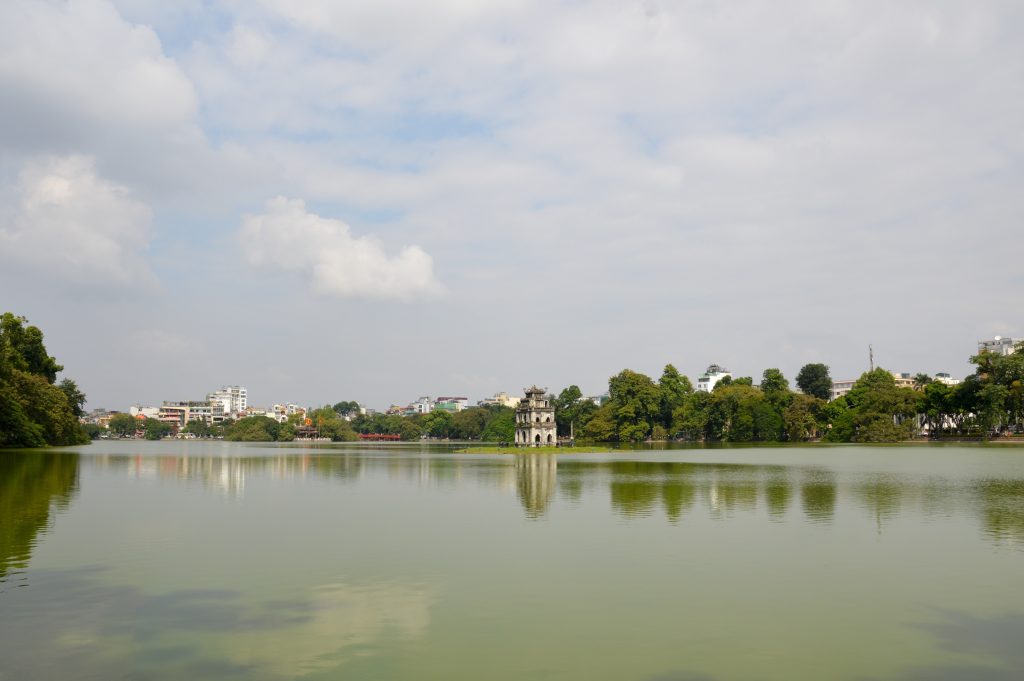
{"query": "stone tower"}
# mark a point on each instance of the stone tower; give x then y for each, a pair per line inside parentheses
(535, 420)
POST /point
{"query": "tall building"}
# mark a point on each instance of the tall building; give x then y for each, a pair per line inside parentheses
(710, 378)
(998, 345)
(535, 420)
(234, 398)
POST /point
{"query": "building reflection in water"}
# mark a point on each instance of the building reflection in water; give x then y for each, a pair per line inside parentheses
(536, 479)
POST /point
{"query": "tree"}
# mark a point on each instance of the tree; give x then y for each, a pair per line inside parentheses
(602, 427)
(572, 411)
(349, 408)
(438, 423)
(124, 425)
(253, 429)
(690, 420)
(328, 423)
(23, 347)
(156, 429)
(636, 402)
(75, 397)
(674, 388)
(773, 382)
(815, 380)
(802, 418)
(875, 410)
(33, 411)
(921, 380)
(501, 426)
(469, 424)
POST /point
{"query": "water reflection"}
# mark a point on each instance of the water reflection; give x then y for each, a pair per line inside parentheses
(33, 486)
(536, 476)
(818, 492)
(33, 483)
(1002, 508)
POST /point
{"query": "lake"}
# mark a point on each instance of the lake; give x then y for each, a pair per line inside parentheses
(214, 560)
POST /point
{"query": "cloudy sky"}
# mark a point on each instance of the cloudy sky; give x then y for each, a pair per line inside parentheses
(327, 200)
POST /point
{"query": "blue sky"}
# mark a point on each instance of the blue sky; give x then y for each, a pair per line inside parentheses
(375, 201)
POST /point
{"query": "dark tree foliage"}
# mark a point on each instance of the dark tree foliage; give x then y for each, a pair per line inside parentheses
(33, 411)
(814, 379)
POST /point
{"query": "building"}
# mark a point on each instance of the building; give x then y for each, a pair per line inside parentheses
(710, 378)
(452, 404)
(998, 345)
(946, 378)
(902, 380)
(181, 413)
(535, 420)
(281, 412)
(235, 399)
(500, 400)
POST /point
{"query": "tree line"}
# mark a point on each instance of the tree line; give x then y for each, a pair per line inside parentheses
(989, 402)
(35, 410)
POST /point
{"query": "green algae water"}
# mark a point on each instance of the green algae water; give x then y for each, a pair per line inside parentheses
(190, 560)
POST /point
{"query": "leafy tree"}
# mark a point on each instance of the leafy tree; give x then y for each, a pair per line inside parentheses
(501, 427)
(469, 424)
(124, 425)
(22, 346)
(572, 411)
(603, 427)
(347, 408)
(815, 380)
(921, 380)
(773, 382)
(75, 397)
(328, 422)
(253, 429)
(438, 423)
(690, 420)
(33, 411)
(410, 430)
(802, 418)
(201, 428)
(673, 390)
(875, 410)
(156, 429)
(636, 402)
(92, 430)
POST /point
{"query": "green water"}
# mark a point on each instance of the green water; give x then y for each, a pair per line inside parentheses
(133, 560)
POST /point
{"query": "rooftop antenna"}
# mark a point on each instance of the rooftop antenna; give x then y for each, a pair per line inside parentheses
(871, 357)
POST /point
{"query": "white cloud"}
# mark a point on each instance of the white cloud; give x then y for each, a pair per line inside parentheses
(71, 69)
(288, 237)
(72, 225)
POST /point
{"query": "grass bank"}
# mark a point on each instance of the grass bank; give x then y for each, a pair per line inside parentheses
(579, 449)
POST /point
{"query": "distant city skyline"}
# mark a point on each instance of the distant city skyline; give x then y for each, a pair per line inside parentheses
(333, 201)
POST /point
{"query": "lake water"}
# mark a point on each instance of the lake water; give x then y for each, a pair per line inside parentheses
(190, 560)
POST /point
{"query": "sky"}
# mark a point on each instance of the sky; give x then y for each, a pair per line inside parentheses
(327, 201)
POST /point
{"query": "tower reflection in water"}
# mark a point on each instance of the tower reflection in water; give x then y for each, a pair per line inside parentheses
(536, 478)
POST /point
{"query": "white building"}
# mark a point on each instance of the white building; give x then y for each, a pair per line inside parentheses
(423, 405)
(946, 378)
(148, 412)
(235, 398)
(710, 378)
(501, 399)
(281, 412)
(998, 345)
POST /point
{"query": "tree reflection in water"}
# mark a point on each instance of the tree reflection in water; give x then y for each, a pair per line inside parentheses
(33, 485)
